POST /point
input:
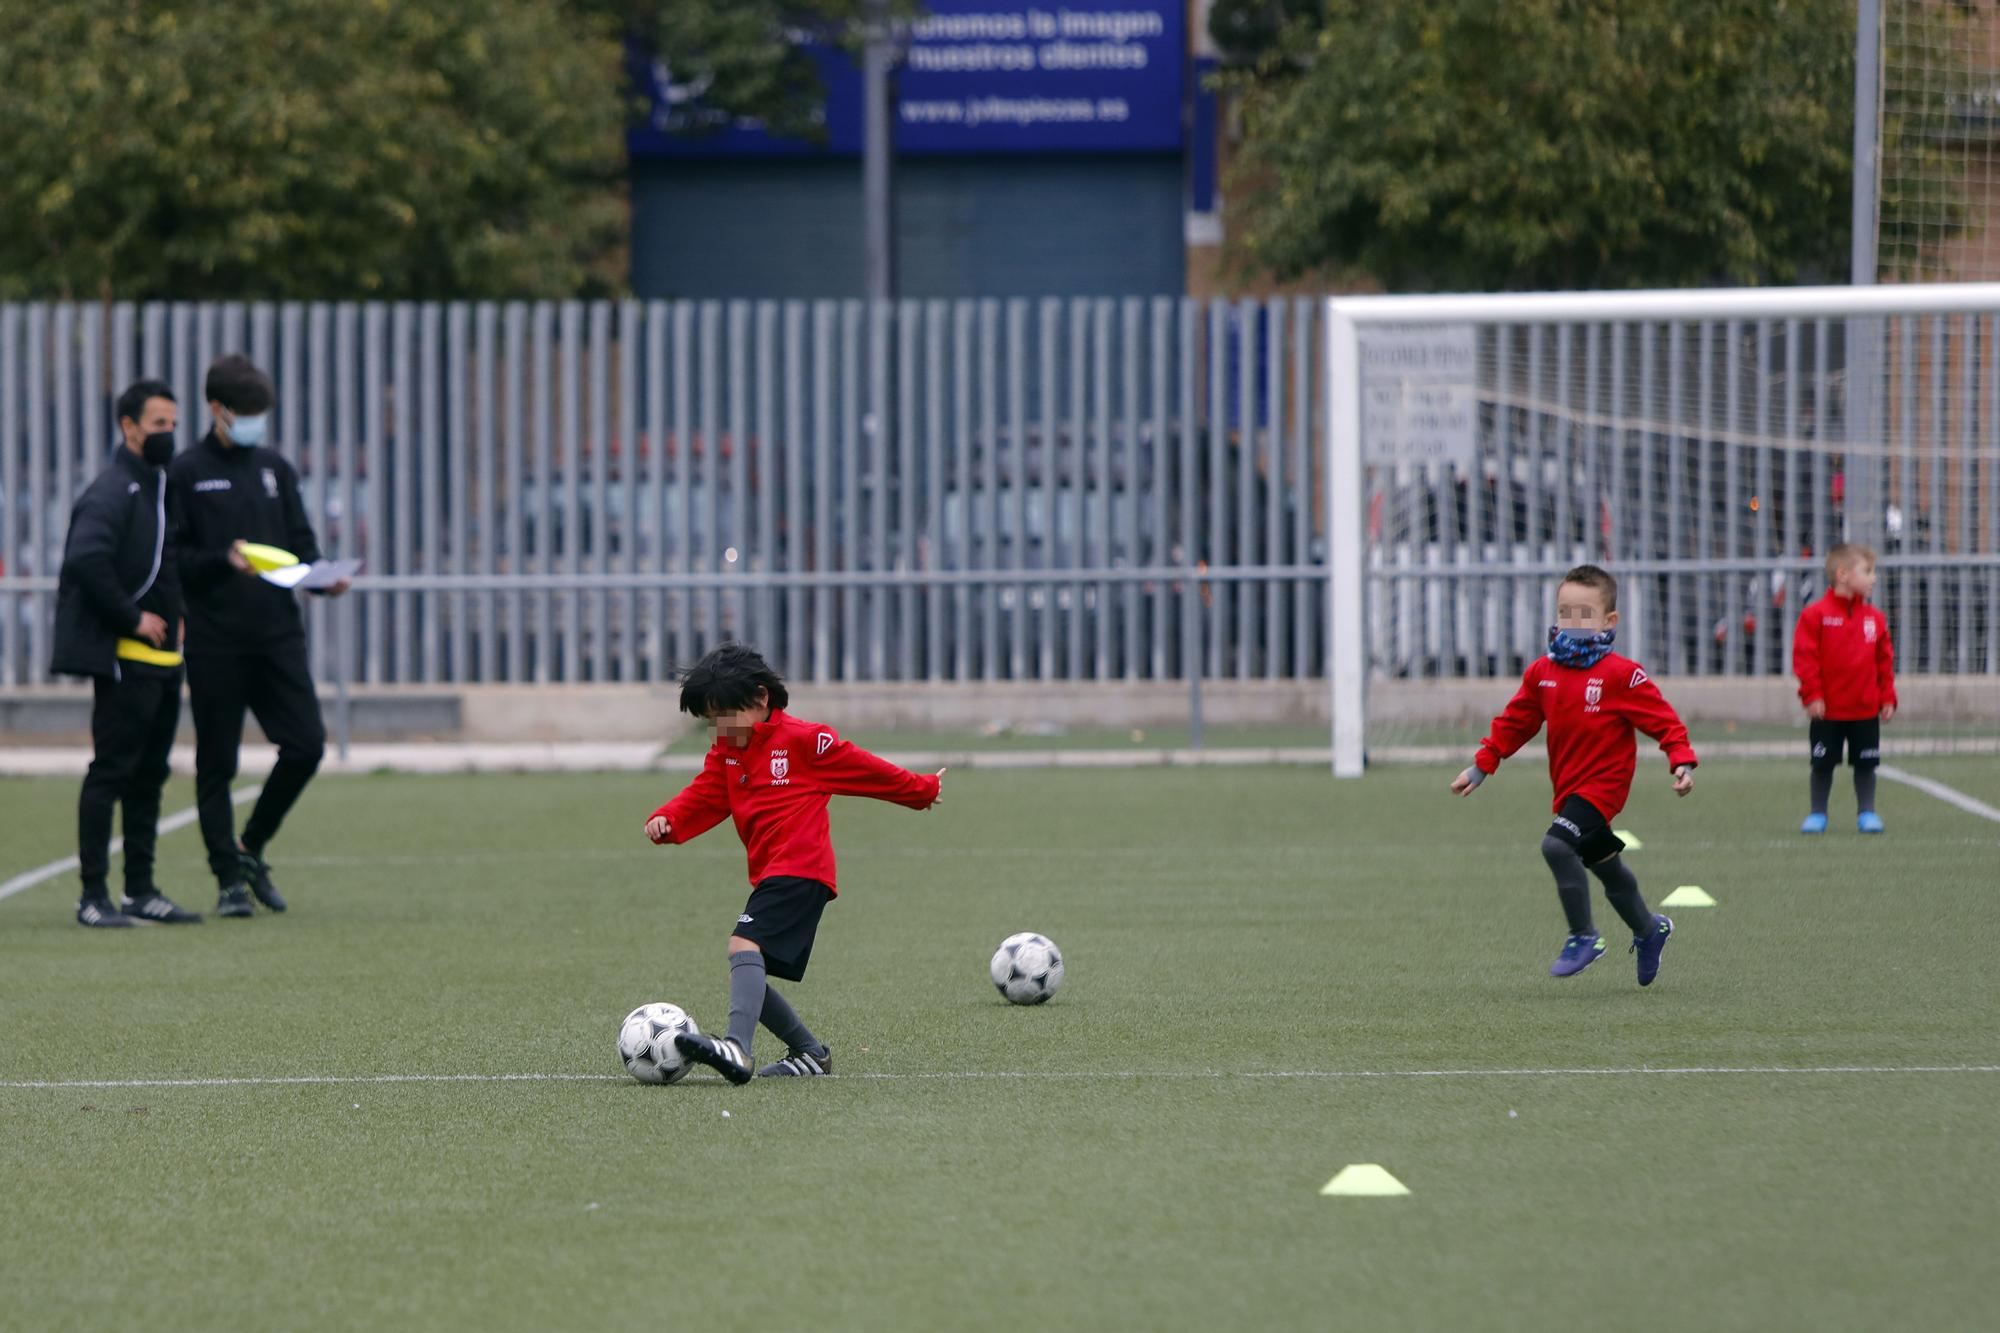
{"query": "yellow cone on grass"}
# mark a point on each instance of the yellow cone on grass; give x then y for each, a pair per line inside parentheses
(1631, 841)
(1688, 895)
(1365, 1180)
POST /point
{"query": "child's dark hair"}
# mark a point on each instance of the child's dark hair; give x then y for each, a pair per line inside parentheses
(727, 679)
(236, 383)
(1591, 576)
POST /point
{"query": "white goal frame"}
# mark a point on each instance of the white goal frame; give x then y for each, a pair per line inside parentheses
(1348, 317)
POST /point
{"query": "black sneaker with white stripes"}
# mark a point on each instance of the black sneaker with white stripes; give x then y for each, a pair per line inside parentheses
(156, 906)
(800, 1064)
(99, 913)
(721, 1055)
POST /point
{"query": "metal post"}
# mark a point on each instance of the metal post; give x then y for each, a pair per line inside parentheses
(1346, 651)
(1863, 503)
(1867, 111)
(878, 151)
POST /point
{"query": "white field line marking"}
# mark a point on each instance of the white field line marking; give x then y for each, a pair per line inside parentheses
(179, 819)
(1949, 795)
(1082, 1074)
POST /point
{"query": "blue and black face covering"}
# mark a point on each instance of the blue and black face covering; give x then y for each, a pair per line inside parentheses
(1570, 649)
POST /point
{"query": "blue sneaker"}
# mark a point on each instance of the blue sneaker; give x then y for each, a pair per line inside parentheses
(1814, 824)
(1650, 946)
(1868, 822)
(1579, 952)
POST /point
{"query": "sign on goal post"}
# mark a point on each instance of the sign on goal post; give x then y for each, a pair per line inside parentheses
(1707, 447)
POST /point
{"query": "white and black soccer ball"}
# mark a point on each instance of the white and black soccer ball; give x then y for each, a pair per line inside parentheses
(646, 1043)
(1027, 968)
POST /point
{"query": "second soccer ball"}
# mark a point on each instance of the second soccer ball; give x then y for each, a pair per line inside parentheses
(1027, 968)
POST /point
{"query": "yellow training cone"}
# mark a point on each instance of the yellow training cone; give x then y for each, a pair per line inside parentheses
(1365, 1180)
(1688, 895)
(263, 558)
(1632, 844)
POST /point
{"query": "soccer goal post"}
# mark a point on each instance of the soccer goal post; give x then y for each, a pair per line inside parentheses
(1708, 447)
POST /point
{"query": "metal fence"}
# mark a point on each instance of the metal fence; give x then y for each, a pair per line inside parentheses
(1712, 464)
(1017, 490)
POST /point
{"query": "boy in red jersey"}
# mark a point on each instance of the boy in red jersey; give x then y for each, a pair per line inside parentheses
(1592, 700)
(773, 775)
(1847, 682)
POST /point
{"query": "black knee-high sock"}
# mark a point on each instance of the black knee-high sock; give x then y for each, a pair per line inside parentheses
(1571, 885)
(1822, 787)
(1864, 789)
(746, 996)
(784, 1023)
(1622, 888)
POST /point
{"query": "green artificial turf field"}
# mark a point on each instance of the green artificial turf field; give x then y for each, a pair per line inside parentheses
(1271, 976)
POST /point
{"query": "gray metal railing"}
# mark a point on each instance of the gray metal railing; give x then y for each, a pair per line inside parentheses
(990, 490)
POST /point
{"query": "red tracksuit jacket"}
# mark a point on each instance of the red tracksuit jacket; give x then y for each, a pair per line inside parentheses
(1591, 712)
(1841, 653)
(776, 789)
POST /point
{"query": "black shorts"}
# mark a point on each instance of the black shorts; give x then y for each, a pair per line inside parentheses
(781, 918)
(1861, 739)
(1584, 827)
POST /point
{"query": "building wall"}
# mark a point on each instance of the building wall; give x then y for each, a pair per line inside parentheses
(966, 227)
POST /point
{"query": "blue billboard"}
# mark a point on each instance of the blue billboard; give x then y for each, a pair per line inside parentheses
(977, 76)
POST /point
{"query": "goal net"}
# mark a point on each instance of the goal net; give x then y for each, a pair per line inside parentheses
(1709, 450)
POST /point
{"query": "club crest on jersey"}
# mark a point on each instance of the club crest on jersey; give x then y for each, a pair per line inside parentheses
(823, 744)
(1593, 695)
(781, 766)
(270, 483)
(1868, 630)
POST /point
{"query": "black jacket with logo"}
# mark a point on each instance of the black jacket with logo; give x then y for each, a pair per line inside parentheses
(222, 494)
(117, 562)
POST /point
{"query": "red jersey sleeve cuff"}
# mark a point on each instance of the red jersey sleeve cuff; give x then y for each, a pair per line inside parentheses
(1487, 760)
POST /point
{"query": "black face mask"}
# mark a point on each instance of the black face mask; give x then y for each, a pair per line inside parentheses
(158, 448)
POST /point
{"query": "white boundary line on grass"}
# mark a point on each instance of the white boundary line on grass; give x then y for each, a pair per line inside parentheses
(179, 819)
(1949, 795)
(317, 1080)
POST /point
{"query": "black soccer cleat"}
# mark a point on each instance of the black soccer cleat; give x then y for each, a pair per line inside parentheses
(233, 901)
(99, 914)
(156, 906)
(257, 873)
(721, 1055)
(800, 1064)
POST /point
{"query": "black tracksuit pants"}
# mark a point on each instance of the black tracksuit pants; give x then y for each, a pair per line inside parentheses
(275, 684)
(132, 724)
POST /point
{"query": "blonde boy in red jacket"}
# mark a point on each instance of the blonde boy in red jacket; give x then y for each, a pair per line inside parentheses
(1847, 682)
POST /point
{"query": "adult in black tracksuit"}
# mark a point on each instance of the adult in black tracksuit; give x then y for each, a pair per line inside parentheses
(246, 642)
(118, 611)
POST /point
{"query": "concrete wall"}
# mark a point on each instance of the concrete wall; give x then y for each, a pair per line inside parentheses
(495, 713)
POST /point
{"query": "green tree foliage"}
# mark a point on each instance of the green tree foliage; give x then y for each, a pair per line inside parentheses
(1513, 144)
(296, 148)
(742, 58)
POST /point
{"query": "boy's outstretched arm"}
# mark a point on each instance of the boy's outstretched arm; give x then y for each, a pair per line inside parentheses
(848, 770)
(1650, 712)
(1514, 727)
(701, 805)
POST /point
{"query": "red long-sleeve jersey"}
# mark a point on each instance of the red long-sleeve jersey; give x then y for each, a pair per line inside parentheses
(1841, 653)
(1591, 713)
(776, 789)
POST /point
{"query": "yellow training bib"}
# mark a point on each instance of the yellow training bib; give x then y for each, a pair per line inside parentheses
(138, 650)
